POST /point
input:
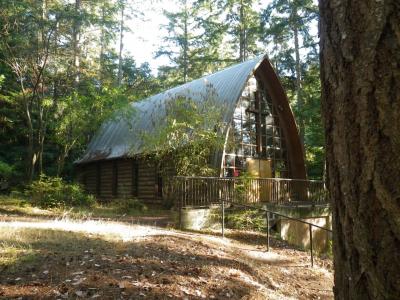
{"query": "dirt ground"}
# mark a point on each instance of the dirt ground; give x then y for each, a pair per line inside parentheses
(66, 259)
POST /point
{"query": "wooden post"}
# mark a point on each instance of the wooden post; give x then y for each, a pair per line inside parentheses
(180, 211)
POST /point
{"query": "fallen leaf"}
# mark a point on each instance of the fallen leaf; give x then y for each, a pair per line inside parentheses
(79, 293)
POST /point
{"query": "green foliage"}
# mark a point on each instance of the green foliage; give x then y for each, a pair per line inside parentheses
(6, 171)
(204, 36)
(129, 205)
(58, 80)
(243, 28)
(188, 136)
(242, 186)
(298, 67)
(50, 107)
(53, 192)
(251, 219)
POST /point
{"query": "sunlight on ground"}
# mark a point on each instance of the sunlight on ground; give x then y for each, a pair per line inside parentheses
(85, 258)
(124, 232)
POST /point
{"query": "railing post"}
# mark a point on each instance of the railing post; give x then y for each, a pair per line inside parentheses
(311, 245)
(180, 208)
(223, 217)
(267, 213)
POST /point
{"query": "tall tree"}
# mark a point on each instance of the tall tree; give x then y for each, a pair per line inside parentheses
(121, 39)
(243, 27)
(177, 48)
(59, 79)
(27, 36)
(360, 63)
(287, 26)
(290, 35)
(194, 41)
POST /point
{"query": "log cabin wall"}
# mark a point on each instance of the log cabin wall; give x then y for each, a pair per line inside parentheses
(123, 178)
(106, 180)
(86, 176)
(146, 181)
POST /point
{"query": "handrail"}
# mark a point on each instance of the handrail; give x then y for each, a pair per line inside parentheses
(278, 214)
(310, 225)
(206, 190)
(256, 178)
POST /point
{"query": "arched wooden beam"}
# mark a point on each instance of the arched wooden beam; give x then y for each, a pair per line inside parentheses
(267, 75)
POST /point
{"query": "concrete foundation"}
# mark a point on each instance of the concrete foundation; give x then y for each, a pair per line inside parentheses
(292, 231)
(297, 233)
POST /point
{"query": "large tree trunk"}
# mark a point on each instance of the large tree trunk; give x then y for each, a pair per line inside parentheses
(31, 156)
(360, 72)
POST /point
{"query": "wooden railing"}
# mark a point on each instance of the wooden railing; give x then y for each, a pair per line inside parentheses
(205, 191)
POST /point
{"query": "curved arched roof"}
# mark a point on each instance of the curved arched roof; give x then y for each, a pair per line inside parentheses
(121, 137)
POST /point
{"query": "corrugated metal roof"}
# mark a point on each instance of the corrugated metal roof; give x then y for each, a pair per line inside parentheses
(120, 137)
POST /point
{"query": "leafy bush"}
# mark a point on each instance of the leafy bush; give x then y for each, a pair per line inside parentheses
(245, 219)
(49, 192)
(6, 170)
(126, 205)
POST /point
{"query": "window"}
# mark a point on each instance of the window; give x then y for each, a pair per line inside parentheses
(255, 133)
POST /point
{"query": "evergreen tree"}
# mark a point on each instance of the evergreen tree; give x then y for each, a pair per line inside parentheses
(60, 73)
(287, 32)
(243, 28)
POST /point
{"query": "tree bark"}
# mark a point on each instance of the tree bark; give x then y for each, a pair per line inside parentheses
(360, 73)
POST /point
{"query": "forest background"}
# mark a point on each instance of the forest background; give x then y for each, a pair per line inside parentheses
(65, 68)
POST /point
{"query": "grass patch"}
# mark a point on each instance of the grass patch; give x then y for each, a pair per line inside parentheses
(116, 209)
(12, 255)
(18, 206)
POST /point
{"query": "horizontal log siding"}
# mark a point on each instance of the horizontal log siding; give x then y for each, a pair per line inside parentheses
(90, 178)
(124, 178)
(106, 180)
(146, 184)
(147, 181)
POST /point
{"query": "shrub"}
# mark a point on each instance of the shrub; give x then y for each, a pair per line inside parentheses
(245, 219)
(6, 171)
(50, 192)
(126, 205)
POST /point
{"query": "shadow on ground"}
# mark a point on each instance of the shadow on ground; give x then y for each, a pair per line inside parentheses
(70, 265)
